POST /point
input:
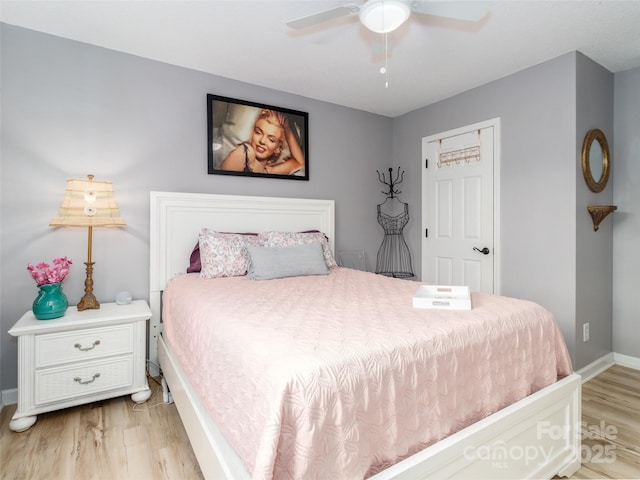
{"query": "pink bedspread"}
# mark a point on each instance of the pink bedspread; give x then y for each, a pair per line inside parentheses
(338, 376)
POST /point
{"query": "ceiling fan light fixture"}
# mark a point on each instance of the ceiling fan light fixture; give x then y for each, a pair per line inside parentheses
(383, 16)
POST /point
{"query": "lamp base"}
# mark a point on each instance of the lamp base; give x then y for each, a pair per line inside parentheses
(88, 301)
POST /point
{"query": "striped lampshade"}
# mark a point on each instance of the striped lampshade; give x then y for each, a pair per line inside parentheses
(88, 203)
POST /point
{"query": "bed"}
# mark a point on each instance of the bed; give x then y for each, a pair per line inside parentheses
(534, 437)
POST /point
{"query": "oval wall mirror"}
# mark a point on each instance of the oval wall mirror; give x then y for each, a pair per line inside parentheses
(595, 160)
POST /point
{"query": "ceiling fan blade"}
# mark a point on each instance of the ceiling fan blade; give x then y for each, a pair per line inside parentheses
(469, 11)
(321, 17)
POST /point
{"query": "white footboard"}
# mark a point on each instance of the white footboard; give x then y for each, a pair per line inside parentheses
(537, 437)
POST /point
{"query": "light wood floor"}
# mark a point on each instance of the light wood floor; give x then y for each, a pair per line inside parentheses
(611, 415)
(112, 440)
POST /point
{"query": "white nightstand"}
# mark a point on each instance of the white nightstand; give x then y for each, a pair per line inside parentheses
(80, 358)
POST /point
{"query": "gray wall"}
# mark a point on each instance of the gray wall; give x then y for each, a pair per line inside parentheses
(594, 250)
(1, 269)
(69, 109)
(626, 220)
(537, 107)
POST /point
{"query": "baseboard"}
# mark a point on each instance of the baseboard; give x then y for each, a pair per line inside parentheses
(597, 367)
(9, 397)
(627, 361)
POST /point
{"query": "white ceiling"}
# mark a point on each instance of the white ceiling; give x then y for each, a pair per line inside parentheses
(430, 58)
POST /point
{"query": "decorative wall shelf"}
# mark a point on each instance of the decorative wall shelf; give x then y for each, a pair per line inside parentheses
(599, 212)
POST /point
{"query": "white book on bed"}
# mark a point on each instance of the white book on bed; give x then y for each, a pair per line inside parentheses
(446, 297)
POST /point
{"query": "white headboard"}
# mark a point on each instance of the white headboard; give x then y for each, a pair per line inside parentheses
(176, 220)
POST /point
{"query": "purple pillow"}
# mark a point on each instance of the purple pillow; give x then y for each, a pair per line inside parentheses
(194, 260)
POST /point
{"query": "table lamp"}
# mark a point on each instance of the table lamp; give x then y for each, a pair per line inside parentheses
(88, 203)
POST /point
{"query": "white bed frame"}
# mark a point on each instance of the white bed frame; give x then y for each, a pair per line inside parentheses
(537, 437)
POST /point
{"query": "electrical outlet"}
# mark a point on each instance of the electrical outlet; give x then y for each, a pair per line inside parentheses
(585, 332)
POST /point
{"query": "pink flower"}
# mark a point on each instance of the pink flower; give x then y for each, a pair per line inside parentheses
(43, 273)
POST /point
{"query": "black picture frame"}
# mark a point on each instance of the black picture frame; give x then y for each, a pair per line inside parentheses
(252, 139)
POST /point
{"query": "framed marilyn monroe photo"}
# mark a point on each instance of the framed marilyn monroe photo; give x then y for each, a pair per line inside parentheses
(256, 140)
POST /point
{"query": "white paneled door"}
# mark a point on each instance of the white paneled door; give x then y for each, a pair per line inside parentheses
(459, 207)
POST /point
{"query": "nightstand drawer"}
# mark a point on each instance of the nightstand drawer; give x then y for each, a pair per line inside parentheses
(56, 384)
(81, 345)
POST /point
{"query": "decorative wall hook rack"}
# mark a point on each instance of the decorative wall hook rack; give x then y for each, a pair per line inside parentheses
(599, 212)
(392, 182)
(466, 154)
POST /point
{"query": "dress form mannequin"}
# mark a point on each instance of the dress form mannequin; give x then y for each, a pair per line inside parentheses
(394, 258)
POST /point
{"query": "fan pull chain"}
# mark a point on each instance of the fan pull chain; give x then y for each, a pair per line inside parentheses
(386, 61)
(385, 70)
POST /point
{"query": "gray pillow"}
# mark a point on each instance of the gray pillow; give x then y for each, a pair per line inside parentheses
(267, 263)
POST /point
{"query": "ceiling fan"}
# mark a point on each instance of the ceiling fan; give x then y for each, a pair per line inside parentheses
(383, 16)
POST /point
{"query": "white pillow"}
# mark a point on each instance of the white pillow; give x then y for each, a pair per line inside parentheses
(287, 239)
(267, 263)
(224, 254)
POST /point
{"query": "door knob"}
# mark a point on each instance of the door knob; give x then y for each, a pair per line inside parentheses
(484, 251)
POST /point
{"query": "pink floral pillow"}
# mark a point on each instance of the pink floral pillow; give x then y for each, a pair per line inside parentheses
(288, 239)
(224, 254)
(194, 258)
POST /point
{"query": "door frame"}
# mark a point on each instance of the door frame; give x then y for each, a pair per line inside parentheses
(495, 123)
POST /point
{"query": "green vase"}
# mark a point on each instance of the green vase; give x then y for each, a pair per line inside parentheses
(51, 302)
